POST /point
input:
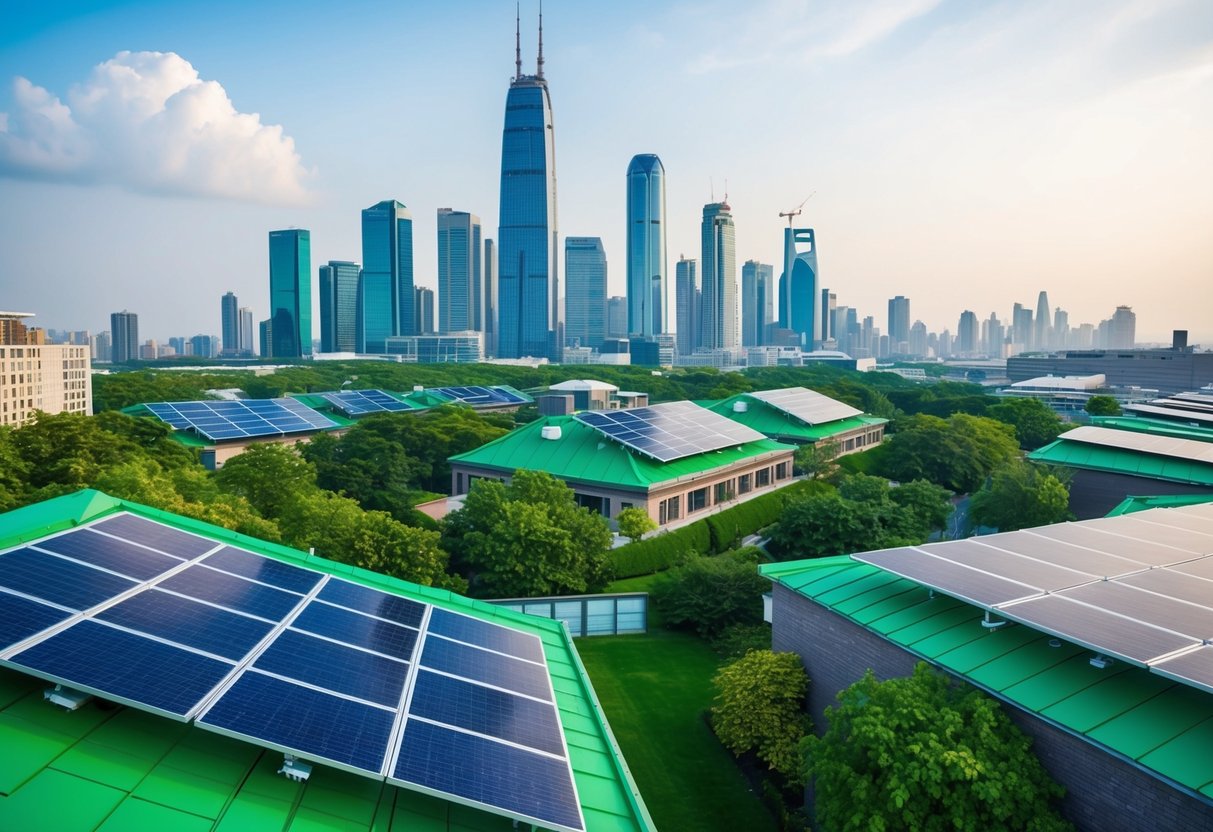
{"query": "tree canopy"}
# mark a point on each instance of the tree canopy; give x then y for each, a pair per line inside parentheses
(958, 452)
(1018, 496)
(1102, 406)
(760, 708)
(920, 753)
(710, 594)
(1034, 421)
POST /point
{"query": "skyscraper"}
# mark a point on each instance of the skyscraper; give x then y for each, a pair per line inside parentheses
(423, 311)
(798, 295)
(1041, 339)
(687, 300)
(829, 302)
(718, 315)
(460, 298)
(1123, 332)
(528, 288)
(339, 306)
(757, 281)
(229, 311)
(124, 330)
(291, 293)
(385, 292)
(966, 334)
(899, 324)
(490, 298)
(646, 246)
(246, 331)
(617, 317)
(585, 286)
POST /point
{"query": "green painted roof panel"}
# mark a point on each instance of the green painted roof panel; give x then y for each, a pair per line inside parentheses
(1114, 460)
(775, 423)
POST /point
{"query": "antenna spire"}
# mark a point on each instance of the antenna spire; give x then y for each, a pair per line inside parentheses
(539, 63)
(517, 42)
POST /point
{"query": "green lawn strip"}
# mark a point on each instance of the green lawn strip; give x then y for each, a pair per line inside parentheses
(654, 689)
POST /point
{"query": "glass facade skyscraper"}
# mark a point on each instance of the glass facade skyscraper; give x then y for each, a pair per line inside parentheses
(687, 301)
(290, 293)
(756, 302)
(528, 288)
(718, 313)
(798, 296)
(460, 297)
(585, 298)
(229, 313)
(646, 246)
(490, 297)
(124, 335)
(385, 293)
(339, 306)
(246, 331)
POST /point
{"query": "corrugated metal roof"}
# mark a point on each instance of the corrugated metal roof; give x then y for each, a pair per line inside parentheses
(1119, 461)
(773, 422)
(1162, 725)
(110, 768)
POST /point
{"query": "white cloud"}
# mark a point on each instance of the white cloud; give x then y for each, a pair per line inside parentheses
(145, 121)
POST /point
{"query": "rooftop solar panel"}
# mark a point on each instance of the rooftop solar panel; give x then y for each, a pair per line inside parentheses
(21, 618)
(357, 629)
(670, 431)
(361, 402)
(477, 395)
(232, 592)
(483, 710)
(59, 580)
(1126, 440)
(335, 667)
(1181, 414)
(223, 420)
(188, 623)
(1194, 667)
(948, 576)
(481, 665)
(266, 571)
(483, 634)
(1025, 570)
(106, 552)
(808, 406)
(1184, 404)
(154, 535)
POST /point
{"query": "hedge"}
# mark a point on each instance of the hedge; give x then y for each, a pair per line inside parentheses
(713, 534)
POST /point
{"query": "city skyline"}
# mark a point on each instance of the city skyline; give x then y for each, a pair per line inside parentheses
(1098, 198)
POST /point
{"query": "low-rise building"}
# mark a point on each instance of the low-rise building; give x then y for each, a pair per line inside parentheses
(36, 376)
(802, 416)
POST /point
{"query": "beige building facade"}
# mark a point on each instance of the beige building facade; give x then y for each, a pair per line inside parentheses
(52, 378)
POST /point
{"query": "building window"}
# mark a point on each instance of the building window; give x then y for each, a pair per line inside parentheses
(763, 477)
(723, 492)
(596, 504)
(781, 471)
(745, 484)
(697, 500)
(459, 483)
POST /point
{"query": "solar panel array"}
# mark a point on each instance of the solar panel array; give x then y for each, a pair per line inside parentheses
(479, 396)
(669, 431)
(1187, 401)
(1138, 587)
(292, 659)
(1206, 398)
(1125, 440)
(226, 420)
(807, 405)
(361, 402)
(1183, 414)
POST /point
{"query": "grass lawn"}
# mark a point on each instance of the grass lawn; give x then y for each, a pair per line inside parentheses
(654, 689)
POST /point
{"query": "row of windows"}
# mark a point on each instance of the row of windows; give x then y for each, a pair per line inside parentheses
(722, 492)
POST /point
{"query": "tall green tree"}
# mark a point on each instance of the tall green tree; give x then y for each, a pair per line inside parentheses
(1102, 406)
(272, 477)
(1021, 495)
(818, 460)
(760, 708)
(1034, 421)
(528, 538)
(919, 753)
(957, 453)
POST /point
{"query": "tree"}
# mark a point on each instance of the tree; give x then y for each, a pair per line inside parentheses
(708, 594)
(634, 522)
(760, 708)
(272, 477)
(1102, 406)
(958, 452)
(1018, 496)
(528, 538)
(818, 459)
(929, 504)
(919, 753)
(1034, 421)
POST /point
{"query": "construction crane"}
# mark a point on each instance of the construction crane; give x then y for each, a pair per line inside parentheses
(796, 212)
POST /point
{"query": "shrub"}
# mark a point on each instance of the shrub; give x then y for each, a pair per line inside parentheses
(709, 594)
(760, 708)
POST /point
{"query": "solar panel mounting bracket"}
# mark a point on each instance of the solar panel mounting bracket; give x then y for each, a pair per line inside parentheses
(295, 769)
(67, 698)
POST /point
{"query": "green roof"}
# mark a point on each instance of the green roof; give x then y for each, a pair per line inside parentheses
(110, 768)
(776, 423)
(1130, 505)
(426, 398)
(1158, 427)
(583, 454)
(1163, 726)
(1120, 461)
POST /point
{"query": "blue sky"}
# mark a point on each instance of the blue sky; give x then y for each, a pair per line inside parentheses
(966, 154)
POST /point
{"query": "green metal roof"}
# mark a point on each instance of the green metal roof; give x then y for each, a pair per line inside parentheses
(777, 424)
(583, 454)
(1163, 726)
(1158, 427)
(1119, 461)
(1131, 505)
(111, 768)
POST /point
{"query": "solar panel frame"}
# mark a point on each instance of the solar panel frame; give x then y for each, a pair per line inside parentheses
(223, 420)
(361, 402)
(1192, 667)
(963, 582)
(670, 431)
(807, 405)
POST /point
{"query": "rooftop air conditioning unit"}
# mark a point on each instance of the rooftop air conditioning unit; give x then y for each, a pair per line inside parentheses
(740, 407)
(550, 432)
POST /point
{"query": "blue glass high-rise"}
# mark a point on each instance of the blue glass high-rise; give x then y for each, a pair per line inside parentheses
(460, 296)
(290, 293)
(585, 299)
(646, 246)
(718, 308)
(528, 288)
(229, 308)
(385, 293)
(339, 306)
(798, 296)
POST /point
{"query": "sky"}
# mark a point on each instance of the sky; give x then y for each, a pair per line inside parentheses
(965, 154)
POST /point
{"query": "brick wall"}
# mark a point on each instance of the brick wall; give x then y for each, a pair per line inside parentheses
(1103, 792)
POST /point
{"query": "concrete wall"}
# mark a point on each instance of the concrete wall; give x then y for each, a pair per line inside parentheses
(1103, 792)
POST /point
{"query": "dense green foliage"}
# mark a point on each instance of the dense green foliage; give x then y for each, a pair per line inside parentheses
(634, 522)
(114, 391)
(818, 460)
(709, 594)
(1019, 496)
(863, 514)
(528, 538)
(760, 708)
(1034, 422)
(919, 753)
(1102, 406)
(958, 452)
(661, 551)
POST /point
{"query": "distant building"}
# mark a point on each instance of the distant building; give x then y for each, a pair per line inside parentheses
(798, 287)
(460, 295)
(1168, 371)
(446, 348)
(385, 296)
(829, 303)
(291, 293)
(687, 297)
(966, 334)
(803, 417)
(124, 332)
(102, 346)
(229, 312)
(757, 285)
(617, 317)
(423, 311)
(646, 261)
(266, 332)
(899, 325)
(490, 298)
(718, 312)
(35, 376)
(246, 331)
(202, 346)
(1123, 332)
(585, 275)
(339, 306)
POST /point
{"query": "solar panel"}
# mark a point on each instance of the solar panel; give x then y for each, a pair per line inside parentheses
(483, 634)
(335, 667)
(361, 402)
(357, 629)
(373, 602)
(1181, 414)
(670, 431)
(59, 580)
(1189, 449)
(1185, 404)
(807, 405)
(222, 420)
(953, 578)
(188, 623)
(483, 666)
(484, 710)
(21, 618)
(263, 570)
(1194, 667)
(232, 592)
(105, 552)
(476, 395)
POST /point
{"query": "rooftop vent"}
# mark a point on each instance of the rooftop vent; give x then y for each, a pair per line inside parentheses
(740, 407)
(550, 432)
(417, 388)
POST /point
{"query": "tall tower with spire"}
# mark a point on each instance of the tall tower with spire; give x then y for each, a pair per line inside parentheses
(529, 321)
